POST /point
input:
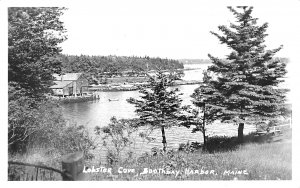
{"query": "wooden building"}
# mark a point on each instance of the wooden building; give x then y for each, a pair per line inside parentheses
(69, 84)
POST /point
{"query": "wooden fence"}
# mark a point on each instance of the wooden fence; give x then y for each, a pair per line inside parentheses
(72, 170)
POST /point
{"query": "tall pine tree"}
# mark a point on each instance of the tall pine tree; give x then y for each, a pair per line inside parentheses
(244, 86)
(159, 106)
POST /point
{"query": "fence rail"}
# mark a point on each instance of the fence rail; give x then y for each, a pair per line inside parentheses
(72, 168)
(32, 172)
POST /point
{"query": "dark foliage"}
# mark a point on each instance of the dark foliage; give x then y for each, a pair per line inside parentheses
(33, 120)
(33, 38)
(97, 68)
(244, 87)
(159, 106)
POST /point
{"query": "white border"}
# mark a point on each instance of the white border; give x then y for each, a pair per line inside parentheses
(295, 81)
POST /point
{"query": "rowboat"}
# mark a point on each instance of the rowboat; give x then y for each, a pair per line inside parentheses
(113, 100)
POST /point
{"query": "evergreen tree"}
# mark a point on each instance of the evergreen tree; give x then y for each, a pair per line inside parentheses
(159, 106)
(200, 116)
(244, 86)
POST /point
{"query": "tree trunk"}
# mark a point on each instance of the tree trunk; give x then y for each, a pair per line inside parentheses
(164, 141)
(203, 128)
(204, 140)
(240, 133)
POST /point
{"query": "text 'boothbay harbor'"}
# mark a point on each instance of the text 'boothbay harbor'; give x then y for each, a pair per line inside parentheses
(163, 171)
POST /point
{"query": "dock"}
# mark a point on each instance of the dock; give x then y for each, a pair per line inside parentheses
(72, 99)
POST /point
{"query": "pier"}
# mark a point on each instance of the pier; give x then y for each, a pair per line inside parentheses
(75, 99)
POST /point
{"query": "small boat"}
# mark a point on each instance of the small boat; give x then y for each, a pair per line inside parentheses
(113, 99)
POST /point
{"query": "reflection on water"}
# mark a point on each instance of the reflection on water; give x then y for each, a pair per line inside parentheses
(98, 113)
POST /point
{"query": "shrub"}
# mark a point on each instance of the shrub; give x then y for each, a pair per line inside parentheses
(190, 147)
(221, 143)
(117, 137)
(39, 124)
(75, 138)
(21, 118)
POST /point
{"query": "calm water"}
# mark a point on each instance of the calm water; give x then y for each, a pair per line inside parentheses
(98, 113)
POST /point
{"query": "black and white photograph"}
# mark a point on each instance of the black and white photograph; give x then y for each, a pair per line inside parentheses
(150, 90)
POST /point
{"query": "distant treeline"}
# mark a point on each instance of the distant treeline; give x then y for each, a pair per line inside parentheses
(194, 61)
(208, 61)
(94, 67)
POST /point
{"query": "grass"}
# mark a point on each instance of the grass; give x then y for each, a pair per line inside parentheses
(251, 161)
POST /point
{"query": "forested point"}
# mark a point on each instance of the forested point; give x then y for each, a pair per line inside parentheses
(95, 67)
(208, 61)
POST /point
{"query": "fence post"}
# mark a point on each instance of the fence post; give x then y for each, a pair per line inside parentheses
(72, 164)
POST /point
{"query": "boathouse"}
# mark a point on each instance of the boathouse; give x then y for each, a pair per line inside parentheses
(69, 84)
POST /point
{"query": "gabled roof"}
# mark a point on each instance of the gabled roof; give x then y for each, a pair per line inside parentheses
(60, 84)
(67, 76)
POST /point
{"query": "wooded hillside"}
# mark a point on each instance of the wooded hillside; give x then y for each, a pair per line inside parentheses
(95, 67)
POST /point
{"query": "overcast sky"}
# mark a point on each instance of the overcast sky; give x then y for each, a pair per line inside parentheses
(164, 28)
(169, 29)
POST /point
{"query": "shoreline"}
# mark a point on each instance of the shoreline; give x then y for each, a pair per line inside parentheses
(134, 87)
(93, 96)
